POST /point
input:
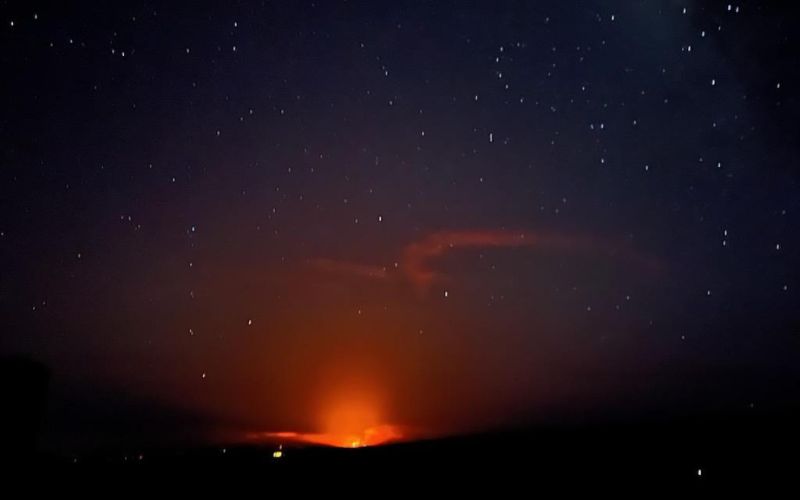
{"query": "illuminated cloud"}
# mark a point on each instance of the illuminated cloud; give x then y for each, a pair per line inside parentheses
(349, 268)
(417, 258)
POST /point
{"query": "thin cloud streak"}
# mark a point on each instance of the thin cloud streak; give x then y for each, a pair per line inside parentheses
(349, 268)
(417, 258)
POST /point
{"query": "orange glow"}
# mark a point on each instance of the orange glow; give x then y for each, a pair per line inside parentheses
(354, 423)
(371, 436)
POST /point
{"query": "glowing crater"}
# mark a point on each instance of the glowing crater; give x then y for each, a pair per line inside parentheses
(351, 425)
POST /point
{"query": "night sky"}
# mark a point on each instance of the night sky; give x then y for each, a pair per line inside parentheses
(398, 219)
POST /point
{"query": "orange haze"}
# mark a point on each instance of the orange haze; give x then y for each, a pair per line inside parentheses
(349, 424)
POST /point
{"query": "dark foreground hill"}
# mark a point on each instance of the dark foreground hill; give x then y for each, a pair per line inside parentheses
(729, 452)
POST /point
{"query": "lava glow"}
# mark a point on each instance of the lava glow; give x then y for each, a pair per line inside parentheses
(354, 424)
(371, 436)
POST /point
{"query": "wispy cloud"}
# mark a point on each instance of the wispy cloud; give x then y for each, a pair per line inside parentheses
(349, 268)
(417, 259)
